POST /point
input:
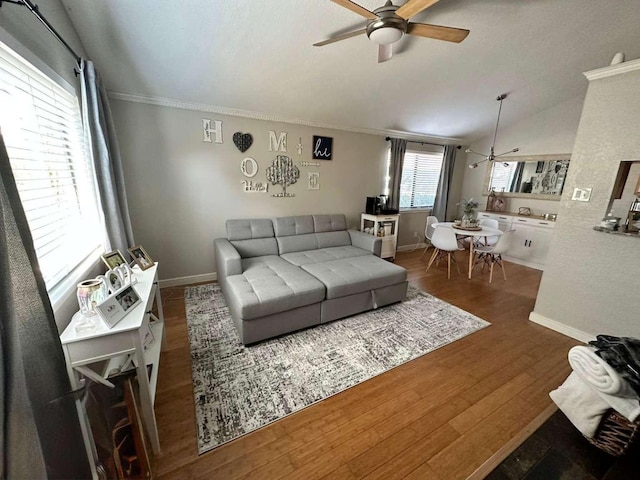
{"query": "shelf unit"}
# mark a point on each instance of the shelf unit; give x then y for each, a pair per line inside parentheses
(115, 348)
(387, 222)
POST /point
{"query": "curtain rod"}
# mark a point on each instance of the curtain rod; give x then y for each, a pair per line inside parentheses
(425, 143)
(33, 8)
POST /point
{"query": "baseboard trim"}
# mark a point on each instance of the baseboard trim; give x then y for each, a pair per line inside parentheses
(508, 448)
(174, 282)
(561, 327)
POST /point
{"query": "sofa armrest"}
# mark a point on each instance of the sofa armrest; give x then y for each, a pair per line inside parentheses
(367, 242)
(227, 259)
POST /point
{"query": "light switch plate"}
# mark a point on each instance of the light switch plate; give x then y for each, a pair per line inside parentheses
(581, 194)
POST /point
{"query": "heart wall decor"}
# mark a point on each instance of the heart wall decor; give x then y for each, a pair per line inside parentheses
(243, 141)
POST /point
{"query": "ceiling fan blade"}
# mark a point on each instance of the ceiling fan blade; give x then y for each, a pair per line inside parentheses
(385, 52)
(344, 36)
(448, 34)
(412, 7)
(355, 8)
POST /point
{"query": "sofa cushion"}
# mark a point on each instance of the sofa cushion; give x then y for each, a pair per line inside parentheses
(256, 247)
(329, 223)
(297, 243)
(287, 226)
(333, 239)
(357, 274)
(323, 255)
(270, 285)
(246, 229)
(252, 238)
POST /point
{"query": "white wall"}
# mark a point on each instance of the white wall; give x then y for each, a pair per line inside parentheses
(590, 282)
(181, 190)
(548, 132)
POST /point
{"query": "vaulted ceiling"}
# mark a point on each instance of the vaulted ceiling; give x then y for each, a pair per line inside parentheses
(257, 56)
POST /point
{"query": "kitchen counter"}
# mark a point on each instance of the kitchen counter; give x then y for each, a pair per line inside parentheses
(516, 214)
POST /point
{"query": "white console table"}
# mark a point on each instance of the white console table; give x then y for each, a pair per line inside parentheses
(116, 346)
(390, 240)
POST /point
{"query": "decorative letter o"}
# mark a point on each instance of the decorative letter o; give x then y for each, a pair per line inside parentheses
(251, 170)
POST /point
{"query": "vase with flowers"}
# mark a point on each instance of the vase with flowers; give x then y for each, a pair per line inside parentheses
(469, 213)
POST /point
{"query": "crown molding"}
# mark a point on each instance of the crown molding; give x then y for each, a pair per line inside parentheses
(612, 70)
(203, 107)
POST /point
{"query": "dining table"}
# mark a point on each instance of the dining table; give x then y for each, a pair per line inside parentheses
(479, 232)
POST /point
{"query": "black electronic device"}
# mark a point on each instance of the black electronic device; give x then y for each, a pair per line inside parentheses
(373, 206)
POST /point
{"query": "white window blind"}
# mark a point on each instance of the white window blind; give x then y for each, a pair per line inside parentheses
(420, 177)
(42, 129)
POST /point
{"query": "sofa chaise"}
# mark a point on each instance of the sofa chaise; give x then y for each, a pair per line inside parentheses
(285, 274)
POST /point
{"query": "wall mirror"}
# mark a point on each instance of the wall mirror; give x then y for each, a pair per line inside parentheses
(536, 176)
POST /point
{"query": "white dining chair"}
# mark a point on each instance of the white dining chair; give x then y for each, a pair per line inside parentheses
(487, 254)
(488, 241)
(428, 231)
(446, 244)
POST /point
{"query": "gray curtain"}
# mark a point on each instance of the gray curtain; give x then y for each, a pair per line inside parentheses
(398, 148)
(40, 435)
(517, 178)
(446, 174)
(107, 162)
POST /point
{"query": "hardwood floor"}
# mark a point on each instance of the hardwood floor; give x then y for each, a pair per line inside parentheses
(437, 417)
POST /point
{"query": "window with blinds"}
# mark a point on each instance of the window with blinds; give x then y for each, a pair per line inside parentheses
(420, 177)
(502, 176)
(42, 129)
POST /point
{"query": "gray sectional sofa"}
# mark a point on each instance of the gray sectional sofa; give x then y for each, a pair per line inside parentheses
(284, 274)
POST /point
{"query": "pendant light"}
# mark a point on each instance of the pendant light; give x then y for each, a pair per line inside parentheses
(492, 155)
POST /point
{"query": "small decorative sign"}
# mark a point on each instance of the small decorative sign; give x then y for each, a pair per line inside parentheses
(322, 148)
(207, 130)
(258, 187)
(299, 146)
(309, 164)
(314, 181)
(243, 141)
(249, 167)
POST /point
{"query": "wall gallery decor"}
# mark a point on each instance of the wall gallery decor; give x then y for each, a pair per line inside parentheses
(314, 181)
(283, 172)
(243, 141)
(322, 147)
(277, 143)
(258, 187)
(309, 164)
(249, 167)
(299, 146)
(207, 130)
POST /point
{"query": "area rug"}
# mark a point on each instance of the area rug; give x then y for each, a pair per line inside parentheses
(239, 389)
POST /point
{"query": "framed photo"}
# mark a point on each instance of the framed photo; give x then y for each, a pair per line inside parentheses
(118, 305)
(322, 148)
(141, 257)
(113, 259)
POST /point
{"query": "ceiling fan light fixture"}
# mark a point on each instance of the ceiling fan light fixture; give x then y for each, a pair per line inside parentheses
(386, 35)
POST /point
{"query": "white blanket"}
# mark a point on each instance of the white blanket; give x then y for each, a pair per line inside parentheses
(591, 389)
(580, 403)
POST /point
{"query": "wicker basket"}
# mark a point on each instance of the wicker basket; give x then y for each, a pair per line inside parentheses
(615, 433)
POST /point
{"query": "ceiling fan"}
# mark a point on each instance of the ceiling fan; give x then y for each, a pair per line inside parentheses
(387, 24)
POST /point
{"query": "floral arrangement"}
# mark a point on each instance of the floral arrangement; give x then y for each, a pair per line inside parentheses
(468, 206)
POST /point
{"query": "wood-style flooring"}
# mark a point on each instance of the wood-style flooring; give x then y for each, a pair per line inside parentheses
(440, 416)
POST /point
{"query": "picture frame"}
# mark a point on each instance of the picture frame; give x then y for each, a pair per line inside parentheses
(322, 148)
(141, 257)
(113, 259)
(117, 305)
